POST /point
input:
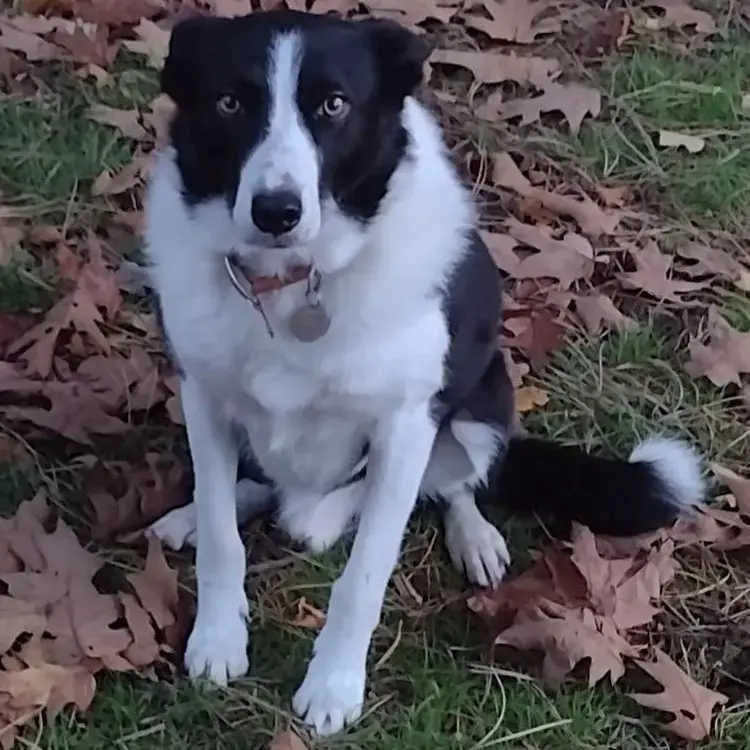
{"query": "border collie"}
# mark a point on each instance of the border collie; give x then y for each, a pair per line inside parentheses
(334, 315)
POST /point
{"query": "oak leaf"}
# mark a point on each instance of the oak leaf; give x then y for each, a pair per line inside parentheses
(691, 704)
(512, 20)
(494, 67)
(153, 42)
(653, 274)
(573, 100)
(710, 261)
(597, 311)
(592, 219)
(156, 586)
(287, 740)
(127, 121)
(725, 356)
(680, 13)
(408, 14)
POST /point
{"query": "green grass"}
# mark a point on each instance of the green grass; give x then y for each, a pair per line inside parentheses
(648, 89)
(430, 684)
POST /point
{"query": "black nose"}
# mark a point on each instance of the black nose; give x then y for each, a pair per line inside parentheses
(276, 213)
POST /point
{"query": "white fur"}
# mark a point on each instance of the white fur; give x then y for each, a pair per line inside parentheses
(287, 157)
(309, 408)
(677, 464)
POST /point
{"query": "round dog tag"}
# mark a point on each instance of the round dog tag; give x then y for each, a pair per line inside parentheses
(309, 323)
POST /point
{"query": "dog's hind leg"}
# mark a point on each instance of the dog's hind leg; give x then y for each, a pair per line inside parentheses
(461, 460)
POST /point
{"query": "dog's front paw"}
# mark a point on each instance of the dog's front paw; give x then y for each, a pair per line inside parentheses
(177, 527)
(333, 691)
(217, 647)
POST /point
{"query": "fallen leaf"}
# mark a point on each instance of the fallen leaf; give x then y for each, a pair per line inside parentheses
(691, 143)
(15, 38)
(493, 67)
(653, 274)
(709, 261)
(691, 704)
(529, 397)
(573, 100)
(680, 13)
(287, 740)
(127, 121)
(593, 220)
(725, 356)
(738, 486)
(153, 42)
(88, 45)
(407, 14)
(512, 20)
(597, 311)
(156, 586)
(307, 616)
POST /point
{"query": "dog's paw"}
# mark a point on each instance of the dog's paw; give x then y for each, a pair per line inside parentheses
(217, 647)
(319, 521)
(333, 691)
(475, 546)
(176, 528)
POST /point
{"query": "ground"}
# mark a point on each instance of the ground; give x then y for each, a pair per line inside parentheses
(432, 683)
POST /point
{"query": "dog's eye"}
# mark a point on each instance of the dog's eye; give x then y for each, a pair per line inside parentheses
(334, 107)
(228, 105)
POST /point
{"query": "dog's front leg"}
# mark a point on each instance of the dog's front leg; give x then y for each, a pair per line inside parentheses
(217, 647)
(333, 690)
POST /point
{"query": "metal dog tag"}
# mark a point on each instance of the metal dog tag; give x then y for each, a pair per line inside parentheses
(311, 321)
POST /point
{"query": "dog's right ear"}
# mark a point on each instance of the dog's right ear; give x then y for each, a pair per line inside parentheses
(179, 72)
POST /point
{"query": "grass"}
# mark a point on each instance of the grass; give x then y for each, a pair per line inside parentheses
(663, 87)
(431, 685)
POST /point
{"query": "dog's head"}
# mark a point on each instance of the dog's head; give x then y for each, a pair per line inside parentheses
(279, 113)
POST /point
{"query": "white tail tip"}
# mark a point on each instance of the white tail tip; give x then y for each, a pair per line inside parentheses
(678, 466)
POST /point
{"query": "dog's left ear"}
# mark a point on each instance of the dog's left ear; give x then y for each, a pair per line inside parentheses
(400, 54)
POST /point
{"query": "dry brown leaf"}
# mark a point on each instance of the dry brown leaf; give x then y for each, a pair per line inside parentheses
(593, 220)
(738, 486)
(87, 45)
(408, 13)
(535, 335)
(710, 261)
(691, 143)
(680, 13)
(573, 100)
(512, 20)
(691, 704)
(230, 8)
(21, 34)
(156, 586)
(653, 274)
(725, 357)
(307, 616)
(493, 67)
(597, 311)
(529, 397)
(127, 121)
(153, 42)
(287, 740)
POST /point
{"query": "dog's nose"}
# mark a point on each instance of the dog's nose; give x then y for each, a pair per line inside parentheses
(276, 212)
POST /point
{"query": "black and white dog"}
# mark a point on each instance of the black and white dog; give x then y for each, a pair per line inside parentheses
(334, 314)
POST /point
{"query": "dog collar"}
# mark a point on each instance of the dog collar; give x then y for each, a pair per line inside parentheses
(309, 322)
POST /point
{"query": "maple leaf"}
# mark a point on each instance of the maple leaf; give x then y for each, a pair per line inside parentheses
(573, 100)
(691, 704)
(492, 67)
(652, 274)
(725, 357)
(593, 220)
(512, 20)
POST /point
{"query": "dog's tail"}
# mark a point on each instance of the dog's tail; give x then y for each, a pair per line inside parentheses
(661, 478)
